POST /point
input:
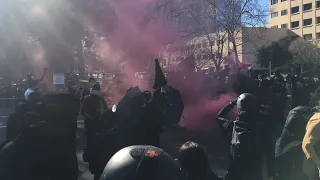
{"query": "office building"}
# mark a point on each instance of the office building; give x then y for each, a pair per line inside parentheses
(300, 16)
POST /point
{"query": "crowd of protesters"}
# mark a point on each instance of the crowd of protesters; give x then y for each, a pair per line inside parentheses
(122, 142)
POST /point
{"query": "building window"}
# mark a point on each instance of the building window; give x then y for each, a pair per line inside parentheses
(307, 22)
(318, 20)
(295, 24)
(318, 36)
(274, 14)
(307, 37)
(284, 12)
(283, 0)
(276, 26)
(274, 2)
(317, 4)
(307, 7)
(295, 10)
(284, 25)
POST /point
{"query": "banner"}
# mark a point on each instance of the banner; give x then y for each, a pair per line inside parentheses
(58, 79)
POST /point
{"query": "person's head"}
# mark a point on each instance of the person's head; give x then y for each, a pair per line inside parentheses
(247, 102)
(29, 76)
(142, 163)
(96, 89)
(193, 160)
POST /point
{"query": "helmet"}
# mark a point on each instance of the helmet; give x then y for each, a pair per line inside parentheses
(246, 101)
(142, 163)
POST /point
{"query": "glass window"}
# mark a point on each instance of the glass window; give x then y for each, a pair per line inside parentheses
(284, 25)
(274, 2)
(276, 26)
(307, 7)
(318, 36)
(295, 24)
(318, 20)
(307, 37)
(317, 4)
(307, 22)
(283, 0)
(274, 14)
(295, 10)
(284, 12)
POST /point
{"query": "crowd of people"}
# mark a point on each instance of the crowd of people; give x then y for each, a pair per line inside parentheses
(122, 142)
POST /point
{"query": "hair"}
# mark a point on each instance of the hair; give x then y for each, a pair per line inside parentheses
(193, 160)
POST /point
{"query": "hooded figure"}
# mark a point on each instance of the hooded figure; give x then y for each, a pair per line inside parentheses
(92, 109)
(160, 79)
(245, 138)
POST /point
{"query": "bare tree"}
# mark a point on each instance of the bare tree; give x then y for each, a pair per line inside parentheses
(207, 17)
(200, 51)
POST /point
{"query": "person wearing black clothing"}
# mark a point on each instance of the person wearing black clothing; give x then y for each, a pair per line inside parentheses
(13, 122)
(289, 155)
(246, 134)
(91, 109)
(25, 157)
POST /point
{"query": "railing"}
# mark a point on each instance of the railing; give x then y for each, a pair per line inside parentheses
(6, 104)
(6, 108)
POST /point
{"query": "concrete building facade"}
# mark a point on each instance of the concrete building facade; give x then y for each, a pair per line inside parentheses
(300, 16)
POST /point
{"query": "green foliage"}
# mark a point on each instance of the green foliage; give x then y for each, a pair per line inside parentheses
(315, 98)
(274, 53)
(305, 52)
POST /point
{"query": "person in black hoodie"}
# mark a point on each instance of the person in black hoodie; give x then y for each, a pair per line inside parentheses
(246, 136)
(25, 157)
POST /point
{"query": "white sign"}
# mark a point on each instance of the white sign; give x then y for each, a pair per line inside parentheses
(58, 78)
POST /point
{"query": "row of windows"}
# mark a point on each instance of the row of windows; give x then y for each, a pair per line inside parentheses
(307, 5)
(276, 1)
(295, 10)
(306, 22)
(308, 37)
(282, 26)
(296, 24)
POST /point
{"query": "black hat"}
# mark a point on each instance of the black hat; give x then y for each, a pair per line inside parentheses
(142, 163)
(160, 79)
